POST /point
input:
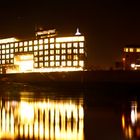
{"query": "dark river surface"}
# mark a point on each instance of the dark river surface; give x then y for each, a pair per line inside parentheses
(97, 114)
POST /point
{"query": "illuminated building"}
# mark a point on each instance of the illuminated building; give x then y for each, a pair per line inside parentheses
(131, 57)
(42, 119)
(47, 52)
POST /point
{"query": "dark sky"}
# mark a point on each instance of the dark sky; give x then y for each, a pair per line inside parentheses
(107, 24)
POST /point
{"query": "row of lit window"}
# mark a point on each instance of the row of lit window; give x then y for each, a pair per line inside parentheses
(58, 52)
(51, 57)
(58, 63)
(8, 61)
(57, 57)
(6, 51)
(63, 51)
(131, 49)
(7, 56)
(52, 45)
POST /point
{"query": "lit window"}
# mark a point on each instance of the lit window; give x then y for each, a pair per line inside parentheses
(138, 49)
(12, 61)
(7, 51)
(21, 44)
(25, 49)
(3, 61)
(35, 53)
(75, 45)
(57, 57)
(58, 45)
(125, 49)
(46, 52)
(63, 63)
(81, 44)
(69, 57)
(81, 63)
(68, 63)
(51, 40)
(21, 49)
(63, 45)
(45, 40)
(16, 44)
(35, 47)
(46, 64)
(16, 50)
(63, 51)
(36, 64)
(3, 46)
(81, 50)
(40, 58)
(36, 59)
(30, 48)
(51, 51)
(51, 46)
(35, 42)
(75, 63)
(3, 56)
(11, 55)
(30, 42)
(7, 56)
(46, 46)
(131, 50)
(46, 58)
(11, 45)
(57, 63)
(51, 63)
(69, 51)
(40, 65)
(7, 61)
(7, 45)
(51, 57)
(75, 51)
(41, 41)
(63, 57)
(25, 43)
(40, 52)
(57, 51)
(75, 57)
(69, 45)
(11, 50)
(40, 47)
(3, 51)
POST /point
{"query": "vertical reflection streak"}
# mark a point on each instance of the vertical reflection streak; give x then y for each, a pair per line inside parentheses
(47, 119)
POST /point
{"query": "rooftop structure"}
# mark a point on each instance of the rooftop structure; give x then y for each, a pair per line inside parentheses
(131, 57)
(47, 52)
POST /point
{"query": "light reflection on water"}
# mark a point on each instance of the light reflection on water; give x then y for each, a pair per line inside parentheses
(131, 122)
(41, 118)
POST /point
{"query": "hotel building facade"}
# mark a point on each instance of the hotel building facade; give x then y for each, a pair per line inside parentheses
(47, 52)
(131, 57)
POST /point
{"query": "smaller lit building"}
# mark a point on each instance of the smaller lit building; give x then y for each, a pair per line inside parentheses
(131, 57)
(46, 52)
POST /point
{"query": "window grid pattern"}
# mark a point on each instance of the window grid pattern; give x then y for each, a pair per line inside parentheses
(47, 52)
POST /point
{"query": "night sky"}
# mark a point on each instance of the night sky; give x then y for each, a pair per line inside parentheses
(108, 25)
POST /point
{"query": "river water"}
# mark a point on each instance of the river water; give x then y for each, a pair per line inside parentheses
(69, 114)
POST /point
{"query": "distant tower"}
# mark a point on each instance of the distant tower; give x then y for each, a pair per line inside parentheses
(77, 32)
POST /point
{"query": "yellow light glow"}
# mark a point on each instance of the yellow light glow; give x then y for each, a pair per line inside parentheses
(30, 42)
(8, 40)
(138, 50)
(70, 39)
(131, 50)
(21, 44)
(24, 116)
(40, 119)
(81, 63)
